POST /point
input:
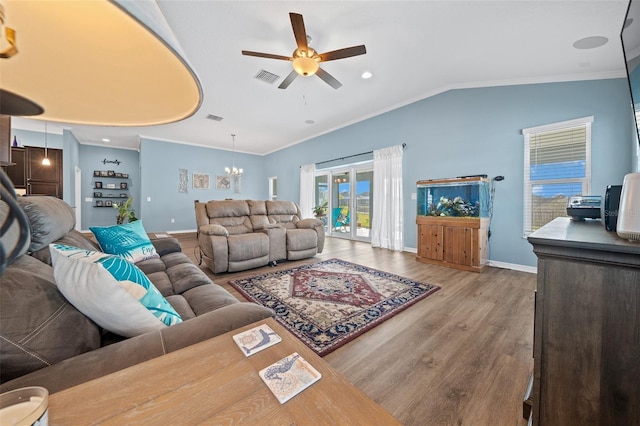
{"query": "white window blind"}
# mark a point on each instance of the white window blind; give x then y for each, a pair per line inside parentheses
(557, 165)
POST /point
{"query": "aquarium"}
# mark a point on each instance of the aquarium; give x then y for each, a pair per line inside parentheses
(454, 197)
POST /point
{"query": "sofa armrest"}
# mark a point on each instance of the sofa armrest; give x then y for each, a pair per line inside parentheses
(309, 223)
(316, 225)
(166, 245)
(118, 356)
(213, 229)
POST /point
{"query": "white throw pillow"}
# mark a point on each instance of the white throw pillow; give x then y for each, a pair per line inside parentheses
(110, 290)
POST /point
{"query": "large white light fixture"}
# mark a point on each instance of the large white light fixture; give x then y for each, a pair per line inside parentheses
(97, 62)
(233, 170)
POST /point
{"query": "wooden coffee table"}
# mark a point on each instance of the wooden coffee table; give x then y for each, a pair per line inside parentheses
(213, 382)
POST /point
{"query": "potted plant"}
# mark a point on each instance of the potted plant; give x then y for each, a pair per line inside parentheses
(125, 212)
(320, 210)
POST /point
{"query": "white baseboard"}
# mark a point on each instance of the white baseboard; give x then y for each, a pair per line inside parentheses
(495, 263)
(514, 266)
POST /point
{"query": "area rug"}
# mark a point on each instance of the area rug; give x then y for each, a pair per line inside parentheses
(329, 303)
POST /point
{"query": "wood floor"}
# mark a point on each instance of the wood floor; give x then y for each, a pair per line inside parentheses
(462, 356)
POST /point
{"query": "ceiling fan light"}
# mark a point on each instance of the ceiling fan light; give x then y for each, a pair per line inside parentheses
(305, 66)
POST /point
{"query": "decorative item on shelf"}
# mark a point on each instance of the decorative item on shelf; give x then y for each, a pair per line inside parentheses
(233, 170)
(124, 185)
(98, 185)
(97, 195)
(45, 160)
(108, 203)
(111, 186)
(15, 141)
(99, 203)
(118, 175)
(96, 173)
(111, 173)
(125, 176)
(125, 212)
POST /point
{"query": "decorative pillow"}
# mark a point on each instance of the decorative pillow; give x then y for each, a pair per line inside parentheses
(111, 291)
(129, 241)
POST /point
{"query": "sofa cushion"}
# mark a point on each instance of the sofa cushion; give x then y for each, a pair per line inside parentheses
(283, 212)
(129, 241)
(38, 326)
(11, 237)
(72, 238)
(50, 219)
(257, 207)
(232, 214)
(111, 291)
(235, 225)
(248, 246)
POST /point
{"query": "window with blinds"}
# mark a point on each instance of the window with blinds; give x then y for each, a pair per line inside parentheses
(557, 165)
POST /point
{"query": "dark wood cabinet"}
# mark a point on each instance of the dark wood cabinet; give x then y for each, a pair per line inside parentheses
(587, 326)
(5, 140)
(17, 172)
(29, 174)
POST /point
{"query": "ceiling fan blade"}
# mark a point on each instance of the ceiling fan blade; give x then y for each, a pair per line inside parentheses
(287, 81)
(297, 23)
(347, 52)
(328, 78)
(266, 55)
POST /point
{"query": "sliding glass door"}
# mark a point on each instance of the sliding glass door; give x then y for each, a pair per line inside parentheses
(343, 198)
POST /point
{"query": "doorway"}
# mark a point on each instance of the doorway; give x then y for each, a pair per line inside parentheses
(345, 196)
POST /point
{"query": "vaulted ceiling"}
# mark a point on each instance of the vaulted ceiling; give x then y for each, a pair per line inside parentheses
(415, 49)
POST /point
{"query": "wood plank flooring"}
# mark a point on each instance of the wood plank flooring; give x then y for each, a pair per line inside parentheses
(462, 356)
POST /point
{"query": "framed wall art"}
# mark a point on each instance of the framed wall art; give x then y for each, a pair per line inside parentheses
(223, 182)
(200, 181)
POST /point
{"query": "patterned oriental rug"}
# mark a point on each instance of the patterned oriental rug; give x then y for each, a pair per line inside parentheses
(329, 303)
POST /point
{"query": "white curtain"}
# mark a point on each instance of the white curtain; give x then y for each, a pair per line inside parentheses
(307, 176)
(387, 226)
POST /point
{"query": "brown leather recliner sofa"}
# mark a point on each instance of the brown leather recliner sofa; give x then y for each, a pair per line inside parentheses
(45, 341)
(235, 235)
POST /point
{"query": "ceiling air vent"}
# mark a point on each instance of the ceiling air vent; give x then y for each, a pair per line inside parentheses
(214, 117)
(267, 76)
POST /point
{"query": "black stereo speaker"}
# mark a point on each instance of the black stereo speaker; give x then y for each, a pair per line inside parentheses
(610, 207)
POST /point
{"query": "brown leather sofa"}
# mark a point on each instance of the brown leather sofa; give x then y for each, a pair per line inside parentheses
(45, 341)
(235, 235)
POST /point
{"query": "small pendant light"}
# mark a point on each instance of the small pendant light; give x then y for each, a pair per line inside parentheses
(45, 160)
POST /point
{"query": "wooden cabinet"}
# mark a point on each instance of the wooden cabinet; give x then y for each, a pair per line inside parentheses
(456, 242)
(587, 326)
(29, 174)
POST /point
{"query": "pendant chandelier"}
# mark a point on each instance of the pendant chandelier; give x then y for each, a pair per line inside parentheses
(233, 170)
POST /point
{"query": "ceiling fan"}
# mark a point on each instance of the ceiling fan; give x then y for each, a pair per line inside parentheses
(305, 59)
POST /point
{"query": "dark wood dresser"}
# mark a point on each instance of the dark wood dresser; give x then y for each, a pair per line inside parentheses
(587, 326)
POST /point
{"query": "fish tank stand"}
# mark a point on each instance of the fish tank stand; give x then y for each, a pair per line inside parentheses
(453, 222)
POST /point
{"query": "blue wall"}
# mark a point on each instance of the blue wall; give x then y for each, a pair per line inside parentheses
(459, 132)
(160, 163)
(478, 131)
(93, 158)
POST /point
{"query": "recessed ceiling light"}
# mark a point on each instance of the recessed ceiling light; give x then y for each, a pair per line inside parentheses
(590, 42)
(309, 121)
(106, 140)
(366, 75)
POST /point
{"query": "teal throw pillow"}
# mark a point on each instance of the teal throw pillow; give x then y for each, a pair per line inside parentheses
(129, 241)
(110, 290)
